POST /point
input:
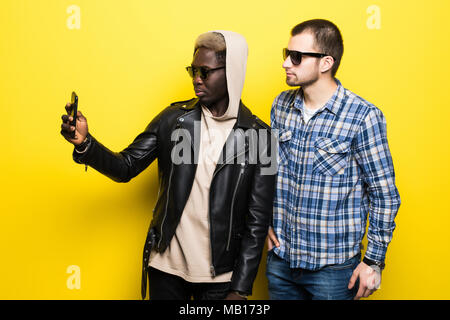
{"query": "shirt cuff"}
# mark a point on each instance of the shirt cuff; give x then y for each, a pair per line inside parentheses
(376, 252)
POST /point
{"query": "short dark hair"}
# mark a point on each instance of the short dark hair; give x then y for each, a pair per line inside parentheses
(327, 37)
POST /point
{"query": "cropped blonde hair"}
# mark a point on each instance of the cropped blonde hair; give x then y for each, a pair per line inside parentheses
(213, 41)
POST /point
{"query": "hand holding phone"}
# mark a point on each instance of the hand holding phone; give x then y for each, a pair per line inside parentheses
(74, 111)
(74, 127)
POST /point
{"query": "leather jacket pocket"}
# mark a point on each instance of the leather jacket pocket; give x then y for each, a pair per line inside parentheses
(330, 156)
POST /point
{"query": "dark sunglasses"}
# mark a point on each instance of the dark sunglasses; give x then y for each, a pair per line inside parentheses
(203, 72)
(296, 56)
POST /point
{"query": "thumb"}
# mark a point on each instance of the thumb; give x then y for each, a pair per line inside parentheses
(352, 281)
(81, 117)
(273, 237)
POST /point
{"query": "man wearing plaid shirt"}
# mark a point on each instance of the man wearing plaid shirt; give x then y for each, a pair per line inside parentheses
(335, 171)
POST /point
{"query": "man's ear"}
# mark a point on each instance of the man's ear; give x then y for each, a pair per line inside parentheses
(326, 64)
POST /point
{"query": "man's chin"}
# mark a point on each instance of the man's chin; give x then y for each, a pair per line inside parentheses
(203, 99)
(292, 83)
(302, 83)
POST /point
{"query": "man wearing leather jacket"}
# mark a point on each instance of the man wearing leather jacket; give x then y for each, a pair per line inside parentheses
(215, 197)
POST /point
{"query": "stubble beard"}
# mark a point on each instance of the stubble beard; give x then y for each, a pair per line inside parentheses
(296, 82)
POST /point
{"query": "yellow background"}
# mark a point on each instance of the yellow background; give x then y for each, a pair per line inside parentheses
(126, 62)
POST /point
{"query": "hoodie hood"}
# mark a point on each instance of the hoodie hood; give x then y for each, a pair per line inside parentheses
(236, 66)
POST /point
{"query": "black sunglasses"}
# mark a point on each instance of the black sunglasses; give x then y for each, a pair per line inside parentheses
(296, 56)
(203, 72)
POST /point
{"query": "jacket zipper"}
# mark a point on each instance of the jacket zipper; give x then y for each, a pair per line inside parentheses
(168, 190)
(223, 165)
(232, 205)
(213, 271)
(157, 197)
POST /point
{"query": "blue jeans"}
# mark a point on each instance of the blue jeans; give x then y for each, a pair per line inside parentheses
(328, 283)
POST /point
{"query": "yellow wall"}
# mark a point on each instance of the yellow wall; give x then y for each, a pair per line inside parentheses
(126, 62)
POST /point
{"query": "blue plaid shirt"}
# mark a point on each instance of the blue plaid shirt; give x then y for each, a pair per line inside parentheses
(334, 172)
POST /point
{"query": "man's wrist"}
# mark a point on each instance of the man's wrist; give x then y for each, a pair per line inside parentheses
(82, 147)
(241, 294)
(371, 263)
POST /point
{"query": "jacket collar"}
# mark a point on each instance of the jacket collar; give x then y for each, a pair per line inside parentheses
(245, 118)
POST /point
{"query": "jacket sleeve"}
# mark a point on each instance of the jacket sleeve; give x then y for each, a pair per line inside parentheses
(257, 224)
(124, 165)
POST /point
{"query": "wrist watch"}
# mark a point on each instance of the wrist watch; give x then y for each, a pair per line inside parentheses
(242, 295)
(371, 263)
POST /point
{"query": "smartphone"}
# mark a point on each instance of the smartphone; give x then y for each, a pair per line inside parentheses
(74, 111)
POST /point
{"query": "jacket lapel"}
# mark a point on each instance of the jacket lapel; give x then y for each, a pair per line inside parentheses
(191, 122)
(235, 145)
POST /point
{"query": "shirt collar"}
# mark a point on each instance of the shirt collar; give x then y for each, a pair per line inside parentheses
(332, 105)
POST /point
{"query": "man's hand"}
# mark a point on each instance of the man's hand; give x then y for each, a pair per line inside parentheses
(67, 130)
(272, 239)
(234, 296)
(369, 280)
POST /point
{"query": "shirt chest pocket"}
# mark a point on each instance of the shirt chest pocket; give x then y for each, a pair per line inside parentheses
(330, 156)
(284, 140)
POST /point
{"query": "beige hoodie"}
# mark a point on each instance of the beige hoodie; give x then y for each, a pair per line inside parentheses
(189, 252)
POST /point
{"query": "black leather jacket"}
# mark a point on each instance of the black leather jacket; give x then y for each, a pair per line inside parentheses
(240, 196)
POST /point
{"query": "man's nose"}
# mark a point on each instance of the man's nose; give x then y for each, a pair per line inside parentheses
(287, 62)
(197, 79)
